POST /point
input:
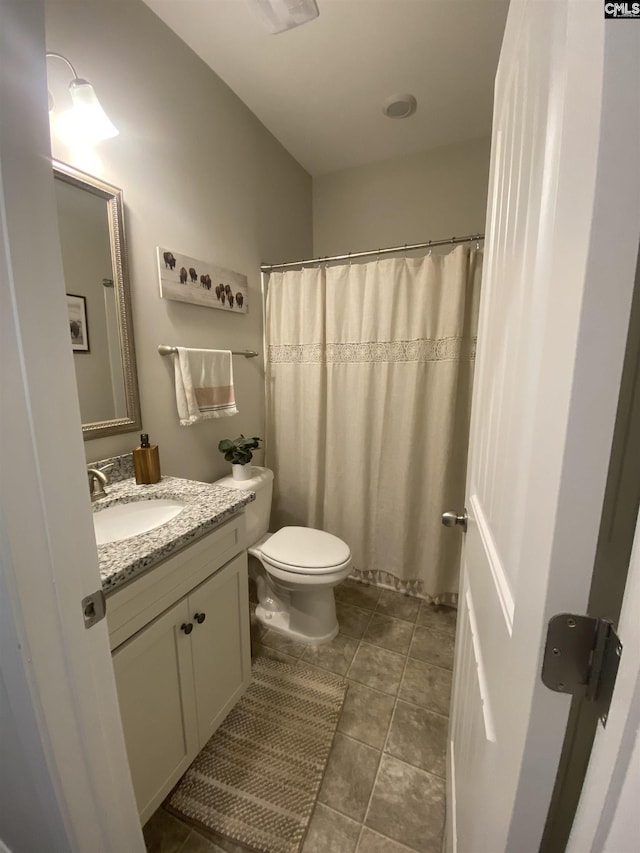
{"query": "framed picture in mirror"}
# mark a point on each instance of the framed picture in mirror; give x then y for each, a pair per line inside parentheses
(77, 310)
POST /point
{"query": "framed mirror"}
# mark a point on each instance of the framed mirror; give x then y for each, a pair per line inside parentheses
(94, 257)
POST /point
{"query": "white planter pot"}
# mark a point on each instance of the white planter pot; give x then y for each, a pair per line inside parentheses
(241, 472)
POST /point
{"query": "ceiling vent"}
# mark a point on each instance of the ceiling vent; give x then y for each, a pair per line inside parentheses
(400, 106)
(280, 15)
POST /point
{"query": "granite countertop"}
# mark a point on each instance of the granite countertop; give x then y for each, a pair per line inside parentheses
(207, 506)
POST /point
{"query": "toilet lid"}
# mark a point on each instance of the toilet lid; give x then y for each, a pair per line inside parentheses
(304, 549)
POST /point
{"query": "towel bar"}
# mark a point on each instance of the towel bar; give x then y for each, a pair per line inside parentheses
(247, 353)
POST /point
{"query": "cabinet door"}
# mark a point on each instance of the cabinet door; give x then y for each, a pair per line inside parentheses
(154, 677)
(220, 644)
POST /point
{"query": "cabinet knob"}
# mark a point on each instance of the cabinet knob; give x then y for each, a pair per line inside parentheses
(199, 617)
(187, 627)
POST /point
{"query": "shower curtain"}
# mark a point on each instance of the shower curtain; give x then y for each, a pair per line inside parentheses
(369, 375)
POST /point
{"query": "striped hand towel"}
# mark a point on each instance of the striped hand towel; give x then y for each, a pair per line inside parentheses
(204, 385)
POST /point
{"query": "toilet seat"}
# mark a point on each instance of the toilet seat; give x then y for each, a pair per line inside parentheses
(304, 550)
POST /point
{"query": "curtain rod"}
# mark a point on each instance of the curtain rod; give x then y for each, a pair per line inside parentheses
(351, 255)
(247, 353)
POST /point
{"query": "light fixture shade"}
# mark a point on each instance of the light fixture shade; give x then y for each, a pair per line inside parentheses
(280, 15)
(86, 123)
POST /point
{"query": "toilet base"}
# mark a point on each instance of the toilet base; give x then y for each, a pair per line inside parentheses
(280, 622)
(301, 607)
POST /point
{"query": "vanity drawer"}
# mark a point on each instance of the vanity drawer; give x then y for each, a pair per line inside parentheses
(134, 605)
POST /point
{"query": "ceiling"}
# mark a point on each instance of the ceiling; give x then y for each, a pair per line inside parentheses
(320, 88)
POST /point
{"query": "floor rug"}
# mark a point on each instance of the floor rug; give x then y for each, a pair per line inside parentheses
(257, 779)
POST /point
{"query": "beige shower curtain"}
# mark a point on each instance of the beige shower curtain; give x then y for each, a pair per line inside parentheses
(369, 377)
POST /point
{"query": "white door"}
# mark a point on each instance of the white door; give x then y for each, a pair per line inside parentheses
(562, 237)
(64, 775)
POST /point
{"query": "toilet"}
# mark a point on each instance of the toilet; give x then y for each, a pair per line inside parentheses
(295, 569)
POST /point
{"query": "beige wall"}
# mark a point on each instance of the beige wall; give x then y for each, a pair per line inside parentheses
(434, 194)
(199, 173)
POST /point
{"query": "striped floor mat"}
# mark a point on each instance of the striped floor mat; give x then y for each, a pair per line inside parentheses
(257, 779)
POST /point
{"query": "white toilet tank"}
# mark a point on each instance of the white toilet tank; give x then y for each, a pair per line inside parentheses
(257, 512)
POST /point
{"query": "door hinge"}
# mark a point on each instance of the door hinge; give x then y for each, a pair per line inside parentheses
(94, 608)
(581, 657)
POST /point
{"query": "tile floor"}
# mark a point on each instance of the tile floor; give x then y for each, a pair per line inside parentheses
(383, 789)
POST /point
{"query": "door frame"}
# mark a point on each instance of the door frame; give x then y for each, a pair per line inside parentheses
(616, 222)
(607, 814)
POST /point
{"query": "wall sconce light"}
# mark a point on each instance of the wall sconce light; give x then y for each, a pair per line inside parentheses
(280, 15)
(86, 123)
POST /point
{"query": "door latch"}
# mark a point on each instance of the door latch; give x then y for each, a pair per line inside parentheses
(94, 608)
(581, 657)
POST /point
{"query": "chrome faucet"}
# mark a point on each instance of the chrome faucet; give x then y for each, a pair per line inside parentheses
(97, 481)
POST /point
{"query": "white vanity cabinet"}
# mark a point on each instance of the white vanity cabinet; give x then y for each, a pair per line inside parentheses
(156, 693)
(181, 656)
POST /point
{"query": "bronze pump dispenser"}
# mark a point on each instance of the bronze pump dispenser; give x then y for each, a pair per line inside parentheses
(146, 461)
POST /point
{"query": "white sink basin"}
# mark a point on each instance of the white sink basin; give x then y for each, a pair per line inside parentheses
(121, 521)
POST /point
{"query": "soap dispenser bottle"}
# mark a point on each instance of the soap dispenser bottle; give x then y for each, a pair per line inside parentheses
(146, 461)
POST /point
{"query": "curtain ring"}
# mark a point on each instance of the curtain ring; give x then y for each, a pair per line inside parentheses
(429, 252)
(378, 258)
(349, 259)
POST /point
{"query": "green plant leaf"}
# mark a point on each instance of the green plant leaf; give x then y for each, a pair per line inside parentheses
(238, 450)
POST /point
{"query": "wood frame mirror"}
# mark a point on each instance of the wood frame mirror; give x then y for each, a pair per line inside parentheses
(94, 255)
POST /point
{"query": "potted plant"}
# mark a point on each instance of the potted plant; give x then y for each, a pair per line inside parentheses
(238, 451)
